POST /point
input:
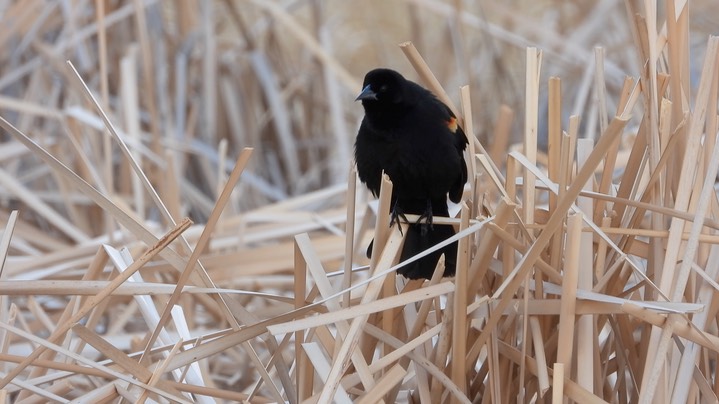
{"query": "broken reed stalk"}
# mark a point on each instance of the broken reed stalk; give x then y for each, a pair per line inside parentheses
(531, 116)
(91, 302)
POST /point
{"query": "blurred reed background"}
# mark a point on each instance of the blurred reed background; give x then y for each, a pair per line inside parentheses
(181, 90)
(281, 76)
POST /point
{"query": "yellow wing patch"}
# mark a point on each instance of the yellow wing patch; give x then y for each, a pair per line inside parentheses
(452, 124)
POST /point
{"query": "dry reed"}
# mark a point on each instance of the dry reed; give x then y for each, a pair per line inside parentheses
(587, 265)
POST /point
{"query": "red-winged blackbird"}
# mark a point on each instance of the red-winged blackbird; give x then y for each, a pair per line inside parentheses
(414, 138)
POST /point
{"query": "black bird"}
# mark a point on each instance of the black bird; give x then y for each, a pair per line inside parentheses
(414, 138)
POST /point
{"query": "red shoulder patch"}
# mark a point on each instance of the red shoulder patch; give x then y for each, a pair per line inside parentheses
(452, 124)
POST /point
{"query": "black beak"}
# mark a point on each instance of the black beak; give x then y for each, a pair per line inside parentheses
(366, 94)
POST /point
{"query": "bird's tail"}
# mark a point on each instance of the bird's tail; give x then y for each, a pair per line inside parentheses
(416, 242)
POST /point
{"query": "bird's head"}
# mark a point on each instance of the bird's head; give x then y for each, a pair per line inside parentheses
(382, 87)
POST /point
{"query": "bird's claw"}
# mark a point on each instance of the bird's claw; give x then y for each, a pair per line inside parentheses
(426, 220)
(395, 217)
(426, 227)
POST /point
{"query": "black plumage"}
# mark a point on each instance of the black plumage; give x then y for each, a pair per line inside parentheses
(414, 138)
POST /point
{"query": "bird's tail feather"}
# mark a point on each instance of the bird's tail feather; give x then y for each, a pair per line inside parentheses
(415, 242)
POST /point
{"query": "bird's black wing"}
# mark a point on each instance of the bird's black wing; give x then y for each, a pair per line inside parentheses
(369, 166)
(460, 144)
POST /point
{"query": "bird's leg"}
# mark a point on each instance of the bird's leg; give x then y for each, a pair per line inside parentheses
(396, 215)
(427, 217)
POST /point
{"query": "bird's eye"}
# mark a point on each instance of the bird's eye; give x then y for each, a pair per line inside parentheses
(383, 88)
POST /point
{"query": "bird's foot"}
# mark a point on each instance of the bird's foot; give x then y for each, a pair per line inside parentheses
(395, 217)
(425, 219)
